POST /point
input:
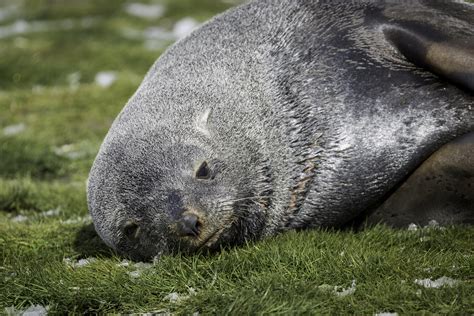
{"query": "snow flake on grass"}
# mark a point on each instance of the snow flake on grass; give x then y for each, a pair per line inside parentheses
(105, 78)
(24, 27)
(139, 267)
(77, 220)
(74, 80)
(442, 281)
(7, 12)
(78, 264)
(432, 224)
(15, 129)
(156, 38)
(413, 227)
(19, 218)
(184, 26)
(75, 151)
(175, 297)
(145, 11)
(339, 290)
(33, 310)
(51, 212)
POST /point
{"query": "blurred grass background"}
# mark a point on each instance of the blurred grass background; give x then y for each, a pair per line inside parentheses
(67, 67)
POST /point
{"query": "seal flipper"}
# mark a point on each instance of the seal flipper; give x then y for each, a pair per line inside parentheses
(448, 58)
(440, 189)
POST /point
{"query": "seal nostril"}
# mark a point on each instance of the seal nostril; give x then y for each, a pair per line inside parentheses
(189, 225)
(131, 230)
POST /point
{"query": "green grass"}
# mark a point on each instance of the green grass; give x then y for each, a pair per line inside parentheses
(47, 85)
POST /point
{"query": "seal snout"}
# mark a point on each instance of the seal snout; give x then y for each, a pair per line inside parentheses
(189, 225)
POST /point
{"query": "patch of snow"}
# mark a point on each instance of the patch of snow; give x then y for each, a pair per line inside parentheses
(184, 26)
(124, 263)
(412, 227)
(140, 267)
(15, 129)
(172, 297)
(434, 225)
(74, 80)
(145, 11)
(105, 78)
(7, 12)
(22, 27)
(33, 310)
(443, 281)
(345, 292)
(158, 33)
(386, 314)
(175, 297)
(77, 220)
(159, 312)
(51, 212)
(78, 264)
(19, 218)
(134, 274)
(69, 151)
(155, 38)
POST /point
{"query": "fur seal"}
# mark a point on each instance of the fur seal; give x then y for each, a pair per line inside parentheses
(281, 115)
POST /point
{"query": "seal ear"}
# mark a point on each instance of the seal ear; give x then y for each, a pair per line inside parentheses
(452, 59)
(202, 123)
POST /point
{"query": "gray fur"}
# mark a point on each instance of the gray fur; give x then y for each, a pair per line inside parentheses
(305, 112)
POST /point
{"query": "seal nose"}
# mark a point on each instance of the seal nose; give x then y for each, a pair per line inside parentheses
(188, 225)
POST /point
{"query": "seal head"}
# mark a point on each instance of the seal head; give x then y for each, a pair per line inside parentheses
(160, 192)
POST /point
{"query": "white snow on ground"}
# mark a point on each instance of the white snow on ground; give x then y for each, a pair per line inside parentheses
(339, 290)
(105, 78)
(184, 26)
(15, 129)
(443, 281)
(7, 12)
(431, 224)
(412, 227)
(145, 11)
(69, 151)
(156, 38)
(74, 80)
(23, 27)
(134, 274)
(139, 267)
(77, 220)
(172, 297)
(344, 292)
(386, 314)
(175, 297)
(51, 212)
(78, 264)
(33, 310)
(19, 218)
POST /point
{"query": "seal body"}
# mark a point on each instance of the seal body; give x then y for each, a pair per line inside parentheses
(282, 114)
